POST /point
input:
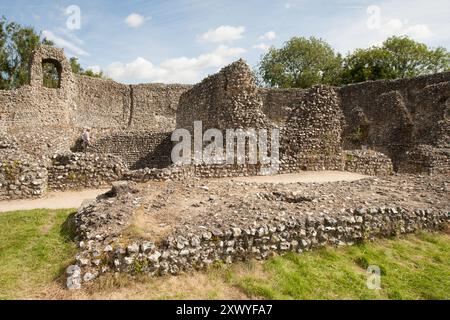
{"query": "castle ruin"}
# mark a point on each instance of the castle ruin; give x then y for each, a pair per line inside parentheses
(373, 128)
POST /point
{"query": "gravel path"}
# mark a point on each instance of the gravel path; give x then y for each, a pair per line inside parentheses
(53, 200)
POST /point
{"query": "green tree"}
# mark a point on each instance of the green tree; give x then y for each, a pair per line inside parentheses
(16, 47)
(76, 68)
(398, 57)
(301, 63)
(17, 44)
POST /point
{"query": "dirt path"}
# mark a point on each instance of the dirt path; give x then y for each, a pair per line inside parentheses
(73, 199)
(305, 177)
(53, 200)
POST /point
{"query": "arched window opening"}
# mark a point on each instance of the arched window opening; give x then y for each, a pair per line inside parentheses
(51, 74)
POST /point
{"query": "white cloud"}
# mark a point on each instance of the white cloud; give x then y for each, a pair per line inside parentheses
(415, 18)
(63, 43)
(262, 46)
(176, 70)
(271, 35)
(420, 31)
(397, 27)
(135, 20)
(223, 34)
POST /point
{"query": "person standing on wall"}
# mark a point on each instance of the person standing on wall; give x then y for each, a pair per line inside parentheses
(86, 137)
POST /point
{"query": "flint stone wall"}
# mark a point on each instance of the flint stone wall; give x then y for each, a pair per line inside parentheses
(426, 159)
(391, 117)
(368, 162)
(310, 122)
(83, 170)
(311, 137)
(82, 101)
(101, 253)
(137, 149)
(21, 175)
(278, 104)
(394, 116)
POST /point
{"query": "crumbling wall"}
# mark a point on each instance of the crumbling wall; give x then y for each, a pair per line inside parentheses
(310, 122)
(83, 170)
(394, 116)
(34, 106)
(311, 137)
(368, 162)
(21, 175)
(79, 101)
(101, 104)
(226, 100)
(279, 103)
(425, 159)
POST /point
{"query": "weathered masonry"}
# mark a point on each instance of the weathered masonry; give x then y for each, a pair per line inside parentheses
(374, 128)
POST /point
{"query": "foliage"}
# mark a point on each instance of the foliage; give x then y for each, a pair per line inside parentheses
(77, 69)
(398, 57)
(17, 44)
(301, 63)
(16, 47)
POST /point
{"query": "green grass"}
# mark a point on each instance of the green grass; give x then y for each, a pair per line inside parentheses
(414, 267)
(34, 250)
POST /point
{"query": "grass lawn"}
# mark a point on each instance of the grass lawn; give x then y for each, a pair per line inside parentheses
(35, 249)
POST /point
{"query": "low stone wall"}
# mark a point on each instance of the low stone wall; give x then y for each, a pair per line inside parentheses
(137, 149)
(83, 170)
(108, 252)
(368, 162)
(426, 159)
(21, 176)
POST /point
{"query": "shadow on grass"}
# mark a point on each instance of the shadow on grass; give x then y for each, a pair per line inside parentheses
(68, 229)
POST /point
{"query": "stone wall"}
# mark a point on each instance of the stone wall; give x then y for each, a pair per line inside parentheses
(278, 103)
(311, 136)
(21, 175)
(394, 116)
(83, 170)
(226, 100)
(82, 101)
(105, 245)
(310, 122)
(426, 159)
(199, 251)
(154, 106)
(101, 104)
(137, 149)
(368, 162)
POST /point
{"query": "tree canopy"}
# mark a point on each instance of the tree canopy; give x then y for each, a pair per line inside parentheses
(17, 44)
(397, 57)
(76, 68)
(302, 63)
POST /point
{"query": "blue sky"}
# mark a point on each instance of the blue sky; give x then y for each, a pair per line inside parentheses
(182, 41)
